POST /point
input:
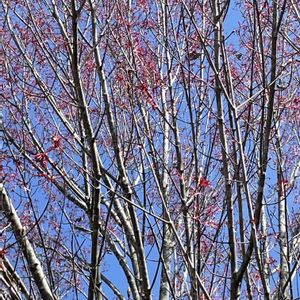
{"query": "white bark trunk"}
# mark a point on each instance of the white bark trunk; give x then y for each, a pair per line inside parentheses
(34, 264)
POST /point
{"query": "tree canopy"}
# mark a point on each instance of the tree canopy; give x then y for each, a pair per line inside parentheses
(149, 149)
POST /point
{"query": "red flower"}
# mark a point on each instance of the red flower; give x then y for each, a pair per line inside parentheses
(42, 158)
(203, 182)
(3, 252)
(284, 183)
(149, 98)
(153, 103)
(56, 142)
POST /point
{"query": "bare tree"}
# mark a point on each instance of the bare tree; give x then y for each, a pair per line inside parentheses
(148, 150)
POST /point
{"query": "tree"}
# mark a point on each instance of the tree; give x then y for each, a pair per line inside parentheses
(149, 152)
